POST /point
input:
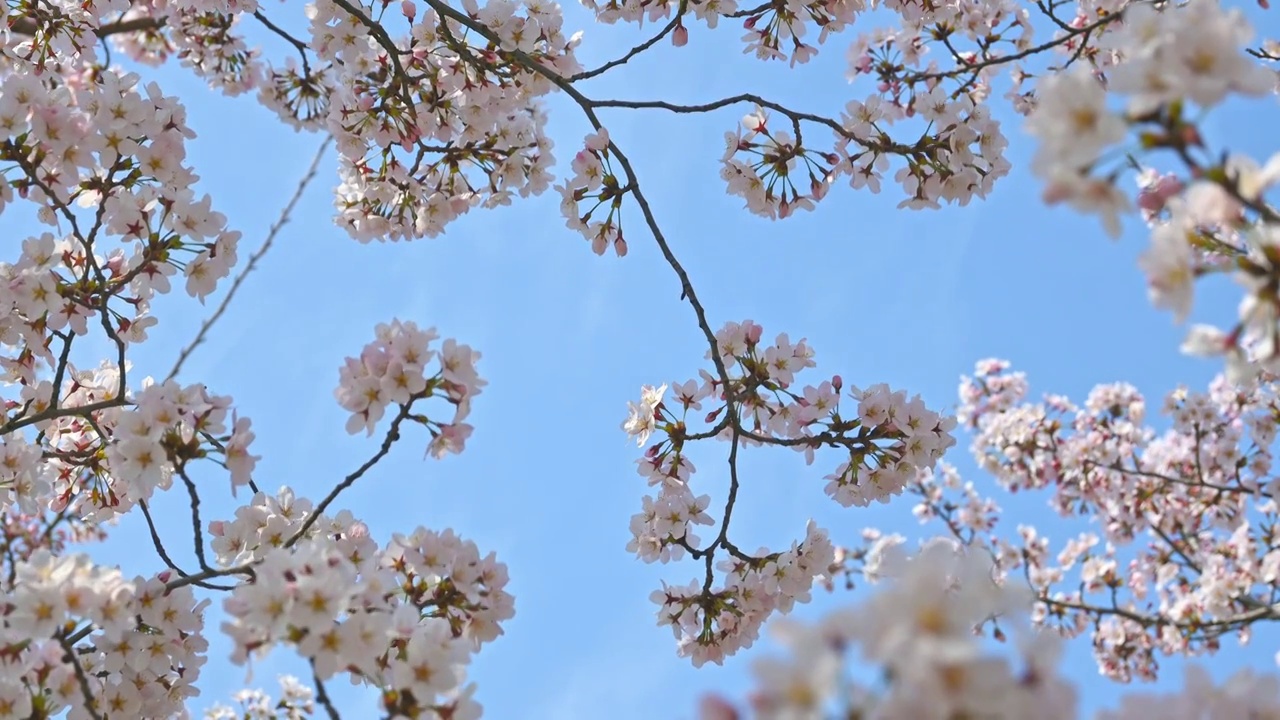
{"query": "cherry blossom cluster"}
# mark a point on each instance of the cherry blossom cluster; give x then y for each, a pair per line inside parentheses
(22, 535)
(207, 42)
(594, 179)
(776, 32)
(103, 463)
(416, 155)
(918, 632)
(431, 568)
(101, 158)
(297, 701)
(959, 154)
(900, 60)
(639, 11)
(887, 440)
(1201, 228)
(1213, 219)
(765, 182)
(959, 157)
(270, 521)
(451, 128)
(1182, 553)
(438, 109)
(392, 370)
(473, 135)
(204, 38)
(108, 466)
(405, 618)
(1245, 694)
(712, 624)
(340, 620)
(81, 638)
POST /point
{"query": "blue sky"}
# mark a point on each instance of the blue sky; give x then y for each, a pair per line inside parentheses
(548, 480)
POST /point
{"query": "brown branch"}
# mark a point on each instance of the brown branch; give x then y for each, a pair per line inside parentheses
(299, 45)
(81, 678)
(1002, 59)
(393, 434)
(322, 695)
(726, 102)
(675, 21)
(26, 26)
(164, 555)
(245, 569)
(588, 108)
(57, 412)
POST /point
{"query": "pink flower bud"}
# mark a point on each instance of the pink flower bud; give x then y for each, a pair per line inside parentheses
(817, 188)
(680, 37)
(1155, 195)
(409, 9)
(713, 707)
(837, 382)
(599, 140)
(1056, 192)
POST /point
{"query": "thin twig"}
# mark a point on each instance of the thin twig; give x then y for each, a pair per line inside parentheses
(164, 554)
(197, 527)
(295, 42)
(322, 695)
(393, 434)
(253, 260)
(635, 50)
(83, 680)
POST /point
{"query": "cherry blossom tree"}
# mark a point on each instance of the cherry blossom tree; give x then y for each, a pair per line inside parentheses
(438, 109)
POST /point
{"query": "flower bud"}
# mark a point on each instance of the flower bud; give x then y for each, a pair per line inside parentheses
(680, 37)
(817, 188)
(713, 707)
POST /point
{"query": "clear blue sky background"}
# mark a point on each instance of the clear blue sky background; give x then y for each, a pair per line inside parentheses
(548, 480)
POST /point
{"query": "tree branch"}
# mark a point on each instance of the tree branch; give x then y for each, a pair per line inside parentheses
(26, 26)
(252, 264)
